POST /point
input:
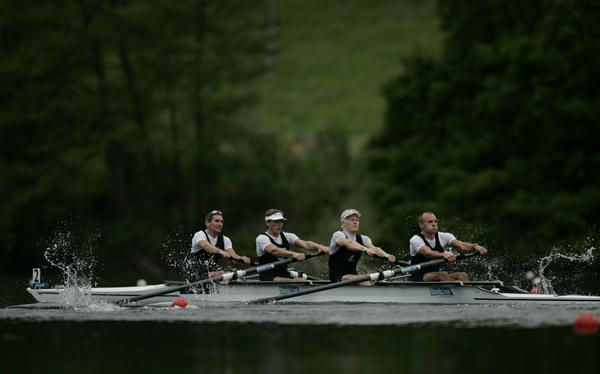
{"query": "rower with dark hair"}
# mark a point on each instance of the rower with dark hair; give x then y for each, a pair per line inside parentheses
(210, 245)
(347, 247)
(275, 243)
(430, 244)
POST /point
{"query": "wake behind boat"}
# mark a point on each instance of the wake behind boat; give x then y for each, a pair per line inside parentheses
(402, 292)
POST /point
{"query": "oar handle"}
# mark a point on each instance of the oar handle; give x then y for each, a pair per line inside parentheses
(272, 265)
(239, 260)
(412, 268)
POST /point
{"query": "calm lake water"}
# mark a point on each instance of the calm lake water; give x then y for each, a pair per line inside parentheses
(295, 338)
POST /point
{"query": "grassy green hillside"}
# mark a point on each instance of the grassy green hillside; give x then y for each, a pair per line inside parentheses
(329, 60)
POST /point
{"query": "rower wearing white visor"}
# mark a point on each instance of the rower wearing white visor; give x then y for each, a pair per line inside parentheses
(210, 245)
(348, 245)
(274, 244)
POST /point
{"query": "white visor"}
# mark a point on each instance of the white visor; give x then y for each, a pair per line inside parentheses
(275, 217)
(349, 212)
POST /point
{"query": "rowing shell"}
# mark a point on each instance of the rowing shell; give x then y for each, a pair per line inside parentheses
(403, 292)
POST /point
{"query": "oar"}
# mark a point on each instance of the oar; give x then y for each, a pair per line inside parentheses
(239, 260)
(224, 277)
(367, 277)
(397, 262)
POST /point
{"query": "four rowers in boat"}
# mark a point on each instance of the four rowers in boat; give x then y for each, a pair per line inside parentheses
(345, 250)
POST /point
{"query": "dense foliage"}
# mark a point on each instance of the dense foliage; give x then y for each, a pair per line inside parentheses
(500, 133)
(130, 117)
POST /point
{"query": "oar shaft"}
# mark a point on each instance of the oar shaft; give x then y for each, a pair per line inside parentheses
(239, 260)
(363, 278)
(397, 262)
(307, 291)
(367, 277)
(219, 278)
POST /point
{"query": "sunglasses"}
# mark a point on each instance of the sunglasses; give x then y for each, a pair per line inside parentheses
(213, 213)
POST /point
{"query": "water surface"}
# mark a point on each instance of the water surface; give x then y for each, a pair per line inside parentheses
(299, 338)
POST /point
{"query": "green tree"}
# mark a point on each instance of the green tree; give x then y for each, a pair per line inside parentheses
(117, 111)
(501, 130)
(135, 117)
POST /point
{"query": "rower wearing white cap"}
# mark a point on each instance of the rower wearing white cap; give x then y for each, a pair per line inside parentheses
(274, 243)
(347, 247)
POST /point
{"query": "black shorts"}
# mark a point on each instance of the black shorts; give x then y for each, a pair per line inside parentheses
(417, 276)
(337, 276)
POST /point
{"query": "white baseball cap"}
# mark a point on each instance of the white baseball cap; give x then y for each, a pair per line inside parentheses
(275, 217)
(349, 212)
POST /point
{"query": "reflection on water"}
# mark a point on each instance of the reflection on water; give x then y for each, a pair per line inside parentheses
(228, 347)
(472, 316)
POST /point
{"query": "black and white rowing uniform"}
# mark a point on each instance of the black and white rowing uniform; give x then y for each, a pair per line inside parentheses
(342, 260)
(285, 240)
(441, 243)
(208, 262)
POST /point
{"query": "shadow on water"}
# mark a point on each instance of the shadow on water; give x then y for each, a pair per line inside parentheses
(12, 291)
(119, 347)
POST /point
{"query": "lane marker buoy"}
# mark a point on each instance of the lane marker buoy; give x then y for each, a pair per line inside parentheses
(585, 324)
(180, 302)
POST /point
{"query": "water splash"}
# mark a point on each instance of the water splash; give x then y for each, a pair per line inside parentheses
(545, 283)
(498, 265)
(75, 259)
(100, 307)
(176, 254)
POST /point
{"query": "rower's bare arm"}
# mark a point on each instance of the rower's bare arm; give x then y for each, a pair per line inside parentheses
(206, 246)
(381, 253)
(312, 246)
(468, 247)
(354, 246)
(235, 256)
(281, 252)
(435, 255)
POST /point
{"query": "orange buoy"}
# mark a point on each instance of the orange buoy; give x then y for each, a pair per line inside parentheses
(180, 302)
(585, 324)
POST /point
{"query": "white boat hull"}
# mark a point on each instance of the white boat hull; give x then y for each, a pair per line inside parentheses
(384, 292)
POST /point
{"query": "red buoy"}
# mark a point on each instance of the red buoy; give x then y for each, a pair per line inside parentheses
(585, 324)
(534, 290)
(180, 302)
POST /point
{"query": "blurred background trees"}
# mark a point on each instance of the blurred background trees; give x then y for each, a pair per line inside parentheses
(138, 117)
(502, 129)
(134, 115)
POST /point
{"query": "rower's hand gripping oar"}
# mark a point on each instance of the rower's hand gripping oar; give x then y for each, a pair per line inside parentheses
(224, 277)
(367, 277)
(240, 261)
